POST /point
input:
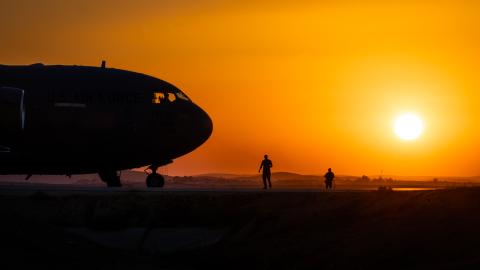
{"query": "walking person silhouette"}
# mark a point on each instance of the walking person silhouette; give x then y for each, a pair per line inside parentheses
(266, 175)
(329, 176)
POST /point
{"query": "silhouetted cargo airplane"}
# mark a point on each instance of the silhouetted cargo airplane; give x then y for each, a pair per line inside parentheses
(77, 119)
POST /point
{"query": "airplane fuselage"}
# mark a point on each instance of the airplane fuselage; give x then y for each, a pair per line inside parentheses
(76, 119)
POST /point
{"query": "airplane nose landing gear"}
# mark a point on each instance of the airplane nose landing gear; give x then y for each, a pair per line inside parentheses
(155, 180)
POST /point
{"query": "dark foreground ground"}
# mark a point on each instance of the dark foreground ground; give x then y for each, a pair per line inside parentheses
(241, 230)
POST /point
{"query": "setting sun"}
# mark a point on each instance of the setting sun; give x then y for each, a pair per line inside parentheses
(408, 126)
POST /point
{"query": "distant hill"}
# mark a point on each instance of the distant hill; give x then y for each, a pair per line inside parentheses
(223, 175)
(134, 179)
(275, 175)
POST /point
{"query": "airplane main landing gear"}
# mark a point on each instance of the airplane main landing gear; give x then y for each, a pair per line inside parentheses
(111, 178)
(155, 180)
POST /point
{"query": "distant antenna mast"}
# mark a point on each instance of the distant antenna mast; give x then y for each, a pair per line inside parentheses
(104, 64)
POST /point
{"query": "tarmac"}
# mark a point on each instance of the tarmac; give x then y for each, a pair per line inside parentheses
(6, 188)
(74, 227)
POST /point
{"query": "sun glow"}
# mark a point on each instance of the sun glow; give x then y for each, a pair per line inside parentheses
(408, 126)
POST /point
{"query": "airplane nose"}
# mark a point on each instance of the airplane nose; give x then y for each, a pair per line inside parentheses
(204, 125)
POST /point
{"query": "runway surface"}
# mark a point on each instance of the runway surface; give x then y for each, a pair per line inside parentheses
(59, 189)
(67, 227)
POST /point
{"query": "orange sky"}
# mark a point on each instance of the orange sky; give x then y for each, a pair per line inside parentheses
(313, 85)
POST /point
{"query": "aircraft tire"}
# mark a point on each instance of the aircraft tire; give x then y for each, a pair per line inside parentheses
(155, 180)
(110, 178)
(114, 182)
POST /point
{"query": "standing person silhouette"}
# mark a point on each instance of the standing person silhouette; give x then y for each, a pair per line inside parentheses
(329, 176)
(266, 165)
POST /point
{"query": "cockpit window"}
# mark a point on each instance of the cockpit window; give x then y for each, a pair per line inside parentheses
(157, 97)
(181, 95)
(171, 97)
(163, 97)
